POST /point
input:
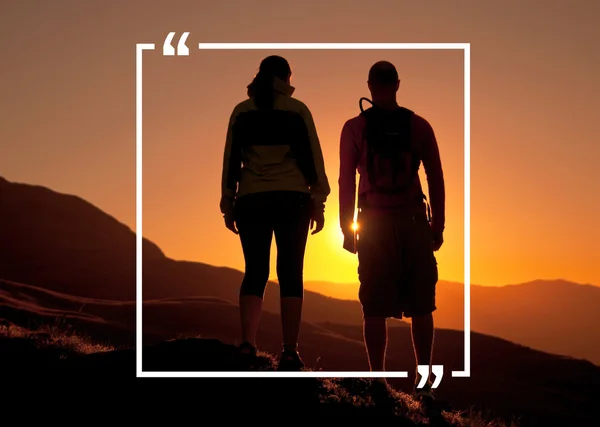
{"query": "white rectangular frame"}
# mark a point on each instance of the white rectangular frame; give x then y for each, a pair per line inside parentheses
(466, 47)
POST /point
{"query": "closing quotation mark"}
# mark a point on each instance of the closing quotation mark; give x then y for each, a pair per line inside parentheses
(182, 49)
(436, 370)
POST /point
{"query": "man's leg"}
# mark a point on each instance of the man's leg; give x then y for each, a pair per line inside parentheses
(375, 334)
(423, 273)
(422, 331)
(378, 292)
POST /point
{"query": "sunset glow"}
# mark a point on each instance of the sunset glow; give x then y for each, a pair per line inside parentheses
(526, 197)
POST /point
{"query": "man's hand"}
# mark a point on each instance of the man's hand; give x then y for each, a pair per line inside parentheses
(317, 218)
(349, 242)
(438, 240)
(230, 224)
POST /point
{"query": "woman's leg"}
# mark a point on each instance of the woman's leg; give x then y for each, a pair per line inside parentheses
(291, 232)
(255, 235)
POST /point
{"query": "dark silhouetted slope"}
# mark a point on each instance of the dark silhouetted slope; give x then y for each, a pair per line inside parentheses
(542, 392)
(505, 377)
(268, 399)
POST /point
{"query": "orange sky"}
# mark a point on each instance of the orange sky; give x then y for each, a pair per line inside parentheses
(68, 117)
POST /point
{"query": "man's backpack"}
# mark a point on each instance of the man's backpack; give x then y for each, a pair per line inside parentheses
(392, 160)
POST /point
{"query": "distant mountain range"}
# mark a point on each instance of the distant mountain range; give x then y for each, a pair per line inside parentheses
(63, 243)
(557, 316)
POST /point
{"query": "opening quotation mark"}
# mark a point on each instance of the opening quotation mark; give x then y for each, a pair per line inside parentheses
(182, 49)
(436, 370)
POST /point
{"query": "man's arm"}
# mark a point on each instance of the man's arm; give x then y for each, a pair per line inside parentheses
(349, 158)
(231, 170)
(435, 176)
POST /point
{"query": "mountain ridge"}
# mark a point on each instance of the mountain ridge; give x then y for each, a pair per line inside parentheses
(539, 313)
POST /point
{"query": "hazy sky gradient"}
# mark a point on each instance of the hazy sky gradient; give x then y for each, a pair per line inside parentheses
(68, 117)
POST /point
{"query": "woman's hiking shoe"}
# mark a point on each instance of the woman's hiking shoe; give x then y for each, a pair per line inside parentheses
(248, 349)
(290, 361)
(380, 382)
(247, 354)
(379, 388)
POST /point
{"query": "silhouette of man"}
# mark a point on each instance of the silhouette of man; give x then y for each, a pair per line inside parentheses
(397, 232)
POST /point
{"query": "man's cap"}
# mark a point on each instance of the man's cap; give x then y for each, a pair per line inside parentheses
(383, 72)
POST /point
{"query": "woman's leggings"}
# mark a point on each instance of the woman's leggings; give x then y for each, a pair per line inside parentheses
(286, 215)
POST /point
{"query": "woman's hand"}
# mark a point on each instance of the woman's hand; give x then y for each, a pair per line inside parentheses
(230, 224)
(318, 219)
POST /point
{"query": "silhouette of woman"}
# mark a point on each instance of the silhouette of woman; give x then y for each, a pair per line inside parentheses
(273, 184)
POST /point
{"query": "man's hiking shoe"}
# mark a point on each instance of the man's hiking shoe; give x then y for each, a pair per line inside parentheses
(432, 406)
(290, 361)
(424, 394)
